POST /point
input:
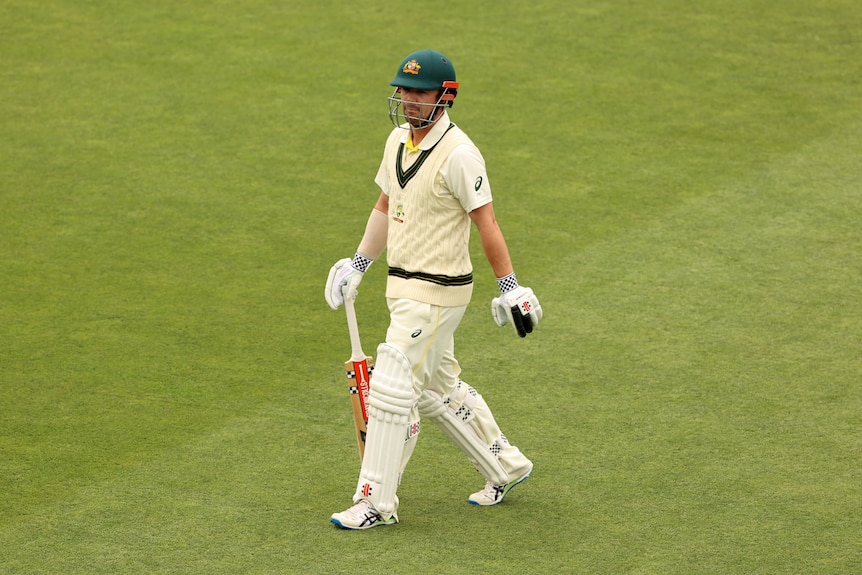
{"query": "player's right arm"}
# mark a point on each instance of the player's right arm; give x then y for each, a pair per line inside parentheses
(345, 276)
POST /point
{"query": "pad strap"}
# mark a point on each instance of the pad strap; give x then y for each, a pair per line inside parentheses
(455, 416)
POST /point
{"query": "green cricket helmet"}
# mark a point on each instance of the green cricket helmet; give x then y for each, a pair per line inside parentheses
(423, 70)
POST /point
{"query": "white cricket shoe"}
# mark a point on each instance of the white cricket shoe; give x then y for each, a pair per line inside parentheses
(494, 494)
(361, 516)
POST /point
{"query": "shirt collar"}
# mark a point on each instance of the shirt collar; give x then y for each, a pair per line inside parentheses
(433, 136)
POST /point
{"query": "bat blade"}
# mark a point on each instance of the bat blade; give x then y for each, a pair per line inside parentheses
(358, 368)
(359, 383)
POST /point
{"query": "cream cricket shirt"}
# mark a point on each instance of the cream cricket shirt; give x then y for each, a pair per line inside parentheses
(432, 191)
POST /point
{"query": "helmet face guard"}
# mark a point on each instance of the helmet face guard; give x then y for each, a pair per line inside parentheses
(401, 119)
(426, 70)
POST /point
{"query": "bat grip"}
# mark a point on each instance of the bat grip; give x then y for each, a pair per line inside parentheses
(353, 329)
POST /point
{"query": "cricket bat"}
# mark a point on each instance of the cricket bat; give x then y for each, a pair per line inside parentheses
(358, 370)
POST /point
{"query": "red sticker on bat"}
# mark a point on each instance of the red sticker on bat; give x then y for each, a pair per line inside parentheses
(363, 379)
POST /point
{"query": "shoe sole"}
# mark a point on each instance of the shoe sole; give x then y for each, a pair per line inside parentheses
(340, 525)
(506, 491)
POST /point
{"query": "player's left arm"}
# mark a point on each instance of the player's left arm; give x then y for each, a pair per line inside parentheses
(516, 304)
(493, 242)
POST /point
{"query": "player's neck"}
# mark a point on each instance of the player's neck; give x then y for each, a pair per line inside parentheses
(418, 134)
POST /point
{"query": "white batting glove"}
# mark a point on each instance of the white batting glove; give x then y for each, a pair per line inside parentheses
(520, 306)
(343, 280)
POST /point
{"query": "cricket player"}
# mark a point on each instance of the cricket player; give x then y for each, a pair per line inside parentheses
(434, 185)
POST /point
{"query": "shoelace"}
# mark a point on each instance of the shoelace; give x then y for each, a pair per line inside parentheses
(365, 513)
(494, 492)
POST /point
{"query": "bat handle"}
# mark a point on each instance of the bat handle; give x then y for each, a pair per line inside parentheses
(353, 329)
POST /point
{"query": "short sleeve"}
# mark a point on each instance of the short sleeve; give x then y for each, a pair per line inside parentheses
(382, 178)
(465, 177)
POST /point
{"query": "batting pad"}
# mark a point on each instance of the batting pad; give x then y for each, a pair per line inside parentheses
(466, 419)
(390, 403)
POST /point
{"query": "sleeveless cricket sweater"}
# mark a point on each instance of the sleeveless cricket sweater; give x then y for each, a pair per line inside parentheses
(429, 229)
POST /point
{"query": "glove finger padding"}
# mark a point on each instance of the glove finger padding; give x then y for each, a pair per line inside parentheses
(523, 324)
(523, 310)
(333, 294)
(350, 283)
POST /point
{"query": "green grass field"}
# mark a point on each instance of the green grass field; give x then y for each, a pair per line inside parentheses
(680, 183)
